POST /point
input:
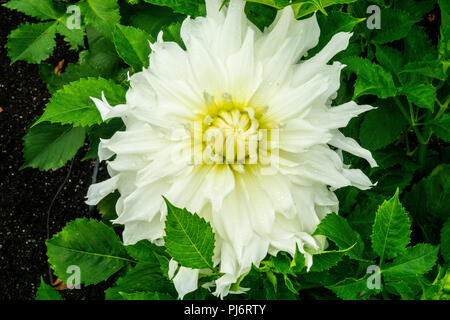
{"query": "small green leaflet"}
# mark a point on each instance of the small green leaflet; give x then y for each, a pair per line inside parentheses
(413, 261)
(72, 104)
(32, 42)
(302, 8)
(50, 146)
(97, 257)
(189, 239)
(372, 79)
(326, 259)
(102, 14)
(46, 292)
(133, 46)
(441, 127)
(353, 289)
(391, 230)
(338, 230)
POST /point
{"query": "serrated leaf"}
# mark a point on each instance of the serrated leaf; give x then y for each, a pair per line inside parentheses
(422, 95)
(133, 46)
(98, 257)
(32, 42)
(445, 241)
(75, 37)
(281, 262)
(403, 290)
(441, 127)
(353, 289)
(193, 8)
(395, 24)
(144, 251)
(143, 277)
(390, 58)
(326, 259)
(189, 239)
(50, 146)
(372, 79)
(430, 68)
(338, 230)
(413, 261)
(391, 229)
(41, 9)
(102, 14)
(303, 8)
(73, 104)
(46, 292)
(382, 126)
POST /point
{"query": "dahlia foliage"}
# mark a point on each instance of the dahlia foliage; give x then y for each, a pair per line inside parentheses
(238, 127)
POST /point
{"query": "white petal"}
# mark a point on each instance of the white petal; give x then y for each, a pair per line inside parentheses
(100, 190)
(351, 146)
(186, 281)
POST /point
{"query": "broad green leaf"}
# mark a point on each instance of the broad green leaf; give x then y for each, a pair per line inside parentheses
(441, 127)
(390, 58)
(102, 14)
(189, 239)
(145, 296)
(382, 126)
(41, 9)
(430, 68)
(337, 229)
(49, 146)
(395, 24)
(353, 289)
(418, 46)
(90, 245)
(46, 292)
(193, 8)
(403, 290)
(133, 46)
(144, 277)
(73, 104)
(413, 261)
(422, 95)
(416, 9)
(32, 42)
(372, 79)
(391, 229)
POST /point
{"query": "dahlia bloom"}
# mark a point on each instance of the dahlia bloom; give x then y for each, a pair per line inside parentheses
(266, 179)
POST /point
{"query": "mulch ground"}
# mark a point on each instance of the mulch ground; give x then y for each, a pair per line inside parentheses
(25, 196)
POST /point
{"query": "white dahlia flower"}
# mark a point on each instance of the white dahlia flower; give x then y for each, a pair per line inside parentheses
(268, 181)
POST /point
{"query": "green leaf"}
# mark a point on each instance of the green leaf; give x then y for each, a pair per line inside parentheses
(75, 37)
(444, 41)
(260, 15)
(445, 241)
(50, 146)
(391, 229)
(41, 9)
(46, 292)
(422, 95)
(353, 289)
(413, 261)
(338, 230)
(430, 68)
(144, 251)
(145, 296)
(193, 8)
(32, 42)
(302, 8)
(103, 131)
(372, 79)
(281, 262)
(189, 239)
(144, 277)
(107, 207)
(441, 127)
(326, 259)
(403, 289)
(90, 245)
(395, 24)
(382, 126)
(73, 104)
(102, 14)
(133, 46)
(390, 58)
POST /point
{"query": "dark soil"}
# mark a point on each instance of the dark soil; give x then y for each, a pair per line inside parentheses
(25, 196)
